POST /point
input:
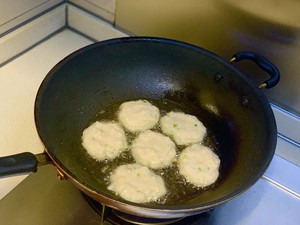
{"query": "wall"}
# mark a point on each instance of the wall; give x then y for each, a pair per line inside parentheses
(15, 12)
(225, 27)
(269, 27)
(102, 8)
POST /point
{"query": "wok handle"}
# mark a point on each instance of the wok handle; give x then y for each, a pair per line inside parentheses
(263, 63)
(22, 163)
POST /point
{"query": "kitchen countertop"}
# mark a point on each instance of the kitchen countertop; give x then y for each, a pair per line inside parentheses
(20, 80)
(279, 189)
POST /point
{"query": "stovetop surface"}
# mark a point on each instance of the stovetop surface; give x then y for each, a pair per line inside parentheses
(42, 199)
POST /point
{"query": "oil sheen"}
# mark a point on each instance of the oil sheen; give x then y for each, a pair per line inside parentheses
(178, 190)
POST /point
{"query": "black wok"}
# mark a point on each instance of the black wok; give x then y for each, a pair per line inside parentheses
(228, 102)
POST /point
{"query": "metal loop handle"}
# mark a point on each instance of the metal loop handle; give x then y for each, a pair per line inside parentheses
(263, 63)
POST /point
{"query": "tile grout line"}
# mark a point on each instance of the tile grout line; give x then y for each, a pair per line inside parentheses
(278, 185)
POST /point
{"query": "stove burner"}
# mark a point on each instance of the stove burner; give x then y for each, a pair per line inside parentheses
(142, 220)
(113, 217)
(116, 217)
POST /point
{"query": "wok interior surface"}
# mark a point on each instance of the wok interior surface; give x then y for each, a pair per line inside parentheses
(106, 74)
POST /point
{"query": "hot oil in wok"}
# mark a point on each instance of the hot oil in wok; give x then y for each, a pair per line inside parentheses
(178, 189)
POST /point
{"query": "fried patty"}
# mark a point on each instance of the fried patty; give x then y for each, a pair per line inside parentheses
(138, 115)
(136, 183)
(185, 129)
(104, 140)
(199, 165)
(153, 149)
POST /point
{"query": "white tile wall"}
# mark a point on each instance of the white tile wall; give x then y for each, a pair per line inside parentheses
(19, 82)
(13, 13)
(90, 25)
(103, 8)
(31, 33)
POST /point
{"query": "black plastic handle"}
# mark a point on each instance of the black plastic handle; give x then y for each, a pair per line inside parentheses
(263, 63)
(22, 163)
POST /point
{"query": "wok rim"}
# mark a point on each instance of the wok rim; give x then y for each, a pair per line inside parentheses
(156, 211)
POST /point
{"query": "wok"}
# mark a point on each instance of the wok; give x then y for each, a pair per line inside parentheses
(107, 73)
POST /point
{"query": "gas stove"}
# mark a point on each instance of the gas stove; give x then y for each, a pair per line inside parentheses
(42, 199)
